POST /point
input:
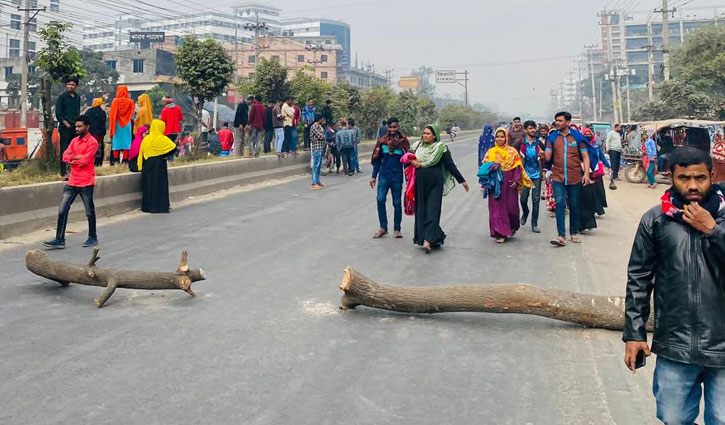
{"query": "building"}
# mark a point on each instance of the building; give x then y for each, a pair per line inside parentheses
(141, 69)
(362, 78)
(11, 25)
(306, 27)
(625, 34)
(291, 53)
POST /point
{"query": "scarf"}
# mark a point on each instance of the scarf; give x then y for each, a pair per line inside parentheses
(155, 143)
(718, 148)
(122, 109)
(430, 154)
(97, 102)
(144, 116)
(508, 158)
(398, 141)
(485, 142)
(136, 143)
(673, 205)
(409, 195)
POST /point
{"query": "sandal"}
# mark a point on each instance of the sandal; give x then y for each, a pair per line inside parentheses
(575, 239)
(500, 240)
(380, 233)
(558, 242)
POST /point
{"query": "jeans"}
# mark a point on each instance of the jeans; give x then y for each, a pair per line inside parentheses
(355, 160)
(396, 190)
(677, 387)
(293, 140)
(254, 139)
(317, 155)
(346, 154)
(278, 139)
(615, 159)
(651, 172)
(535, 200)
(306, 135)
(69, 195)
(268, 136)
(561, 193)
(239, 135)
(287, 138)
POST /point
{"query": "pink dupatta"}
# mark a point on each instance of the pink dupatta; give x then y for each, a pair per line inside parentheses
(409, 195)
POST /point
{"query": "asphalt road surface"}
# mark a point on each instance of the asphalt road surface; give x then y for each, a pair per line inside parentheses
(264, 343)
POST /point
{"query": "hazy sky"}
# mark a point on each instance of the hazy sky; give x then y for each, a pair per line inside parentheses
(477, 35)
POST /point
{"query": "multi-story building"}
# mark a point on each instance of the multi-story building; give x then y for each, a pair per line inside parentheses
(306, 27)
(628, 43)
(141, 69)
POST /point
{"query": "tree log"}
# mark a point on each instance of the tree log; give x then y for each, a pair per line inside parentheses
(88, 274)
(593, 311)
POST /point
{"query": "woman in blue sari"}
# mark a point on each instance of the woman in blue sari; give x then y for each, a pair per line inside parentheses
(485, 142)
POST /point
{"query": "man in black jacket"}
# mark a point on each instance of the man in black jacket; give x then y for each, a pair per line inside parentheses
(241, 119)
(679, 252)
(67, 109)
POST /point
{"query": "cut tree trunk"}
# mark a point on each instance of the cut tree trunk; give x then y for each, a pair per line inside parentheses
(593, 311)
(88, 274)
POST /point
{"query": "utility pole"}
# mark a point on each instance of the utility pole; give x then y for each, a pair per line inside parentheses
(26, 59)
(591, 75)
(612, 72)
(465, 85)
(257, 27)
(666, 38)
(650, 63)
(578, 87)
(629, 105)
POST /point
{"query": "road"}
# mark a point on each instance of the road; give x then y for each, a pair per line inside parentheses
(264, 343)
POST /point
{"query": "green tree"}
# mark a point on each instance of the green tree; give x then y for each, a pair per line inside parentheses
(426, 112)
(57, 61)
(100, 77)
(269, 81)
(406, 108)
(375, 104)
(345, 100)
(427, 87)
(205, 69)
(305, 86)
(156, 94)
(700, 61)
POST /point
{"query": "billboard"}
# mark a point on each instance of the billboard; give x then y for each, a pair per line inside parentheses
(446, 76)
(146, 37)
(409, 82)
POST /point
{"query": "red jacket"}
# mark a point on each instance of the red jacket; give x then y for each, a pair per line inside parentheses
(172, 117)
(226, 138)
(257, 114)
(82, 172)
(298, 115)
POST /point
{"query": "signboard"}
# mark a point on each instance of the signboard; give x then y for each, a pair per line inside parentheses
(146, 37)
(446, 76)
(409, 82)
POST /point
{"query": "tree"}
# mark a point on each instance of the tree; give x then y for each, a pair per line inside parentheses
(100, 77)
(375, 104)
(205, 69)
(270, 80)
(57, 61)
(406, 108)
(345, 99)
(426, 112)
(305, 86)
(700, 61)
(427, 87)
(156, 94)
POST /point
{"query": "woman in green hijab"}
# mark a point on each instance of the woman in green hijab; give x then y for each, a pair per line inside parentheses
(436, 174)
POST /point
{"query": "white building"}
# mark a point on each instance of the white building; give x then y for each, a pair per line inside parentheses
(11, 25)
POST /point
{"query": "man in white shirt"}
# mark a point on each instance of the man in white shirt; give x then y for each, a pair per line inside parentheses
(613, 146)
(205, 126)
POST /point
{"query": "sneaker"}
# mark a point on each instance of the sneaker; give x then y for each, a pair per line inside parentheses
(523, 219)
(536, 229)
(612, 185)
(54, 244)
(90, 242)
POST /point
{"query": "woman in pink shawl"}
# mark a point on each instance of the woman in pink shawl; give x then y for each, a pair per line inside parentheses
(141, 132)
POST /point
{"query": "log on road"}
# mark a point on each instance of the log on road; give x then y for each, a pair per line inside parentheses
(593, 311)
(88, 274)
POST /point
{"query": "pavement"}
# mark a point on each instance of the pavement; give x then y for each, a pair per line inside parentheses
(264, 342)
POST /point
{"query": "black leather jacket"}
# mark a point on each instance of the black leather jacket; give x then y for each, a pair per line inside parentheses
(686, 269)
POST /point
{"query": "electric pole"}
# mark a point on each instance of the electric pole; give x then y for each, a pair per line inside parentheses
(591, 75)
(610, 54)
(256, 27)
(314, 48)
(650, 63)
(578, 87)
(666, 38)
(26, 60)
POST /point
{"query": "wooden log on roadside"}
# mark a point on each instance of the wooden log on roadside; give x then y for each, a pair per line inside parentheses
(88, 274)
(593, 311)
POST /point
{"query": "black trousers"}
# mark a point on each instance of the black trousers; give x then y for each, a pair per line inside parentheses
(347, 166)
(69, 195)
(268, 136)
(66, 135)
(307, 136)
(287, 138)
(535, 193)
(615, 158)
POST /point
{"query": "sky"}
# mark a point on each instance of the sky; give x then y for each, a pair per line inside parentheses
(481, 36)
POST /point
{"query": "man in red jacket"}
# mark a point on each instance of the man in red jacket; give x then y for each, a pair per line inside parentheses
(172, 116)
(80, 154)
(226, 139)
(257, 114)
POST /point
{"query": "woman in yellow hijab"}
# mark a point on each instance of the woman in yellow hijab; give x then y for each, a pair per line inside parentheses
(144, 115)
(503, 211)
(154, 150)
